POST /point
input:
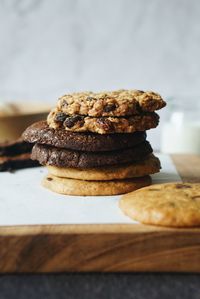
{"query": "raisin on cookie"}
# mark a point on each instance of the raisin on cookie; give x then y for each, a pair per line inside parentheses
(110, 103)
(103, 125)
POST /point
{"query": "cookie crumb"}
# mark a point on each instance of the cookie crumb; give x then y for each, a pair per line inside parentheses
(49, 179)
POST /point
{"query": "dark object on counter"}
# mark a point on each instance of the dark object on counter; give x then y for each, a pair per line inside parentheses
(15, 148)
(17, 162)
(16, 155)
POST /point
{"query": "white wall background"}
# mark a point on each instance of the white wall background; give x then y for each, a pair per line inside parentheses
(51, 47)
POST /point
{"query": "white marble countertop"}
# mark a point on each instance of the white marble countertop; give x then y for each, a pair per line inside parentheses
(24, 201)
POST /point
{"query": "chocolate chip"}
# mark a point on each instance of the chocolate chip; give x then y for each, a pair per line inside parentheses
(60, 117)
(49, 179)
(182, 186)
(105, 124)
(72, 120)
(109, 107)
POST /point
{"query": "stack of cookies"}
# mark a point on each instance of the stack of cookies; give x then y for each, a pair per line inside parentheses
(95, 143)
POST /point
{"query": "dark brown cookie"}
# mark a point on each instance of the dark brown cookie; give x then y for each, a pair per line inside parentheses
(15, 148)
(40, 132)
(48, 155)
(17, 162)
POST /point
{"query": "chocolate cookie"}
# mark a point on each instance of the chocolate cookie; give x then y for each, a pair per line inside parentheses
(48, 155)
(103, 125)
(17, 162)
(40, 132)
(110, 103)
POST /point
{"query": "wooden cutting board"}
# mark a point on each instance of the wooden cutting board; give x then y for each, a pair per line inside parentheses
(108, 248)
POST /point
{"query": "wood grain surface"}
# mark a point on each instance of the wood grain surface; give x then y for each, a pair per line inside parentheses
(108, 248)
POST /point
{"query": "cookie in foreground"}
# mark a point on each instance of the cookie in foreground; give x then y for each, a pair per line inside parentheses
(93, 188)
(171, 205)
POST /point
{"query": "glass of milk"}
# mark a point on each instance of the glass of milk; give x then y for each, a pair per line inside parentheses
(180, 132)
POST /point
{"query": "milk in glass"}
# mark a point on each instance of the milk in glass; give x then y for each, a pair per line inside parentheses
(181, 130)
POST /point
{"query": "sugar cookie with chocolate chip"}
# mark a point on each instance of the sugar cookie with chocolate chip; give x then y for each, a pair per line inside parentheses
(171, 204)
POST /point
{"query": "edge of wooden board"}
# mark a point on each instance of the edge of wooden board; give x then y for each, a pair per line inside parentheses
(23, 230)
(106, 248)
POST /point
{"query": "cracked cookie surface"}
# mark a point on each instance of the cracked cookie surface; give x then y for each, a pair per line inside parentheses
(170, 204)
(103, 125)
(41, 133)
(110, 103)
(48, 155)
